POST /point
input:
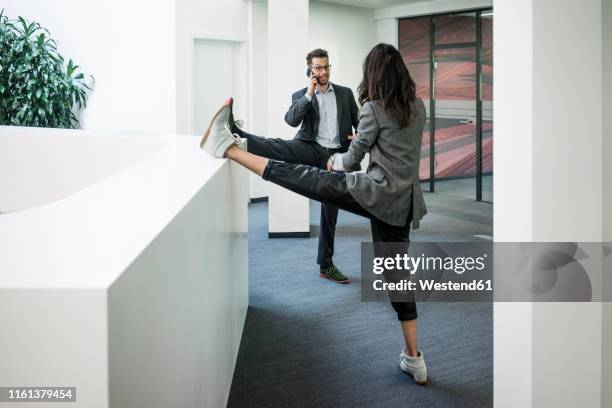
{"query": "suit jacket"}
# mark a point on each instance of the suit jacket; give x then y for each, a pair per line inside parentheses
(305, 112)
(390, 186)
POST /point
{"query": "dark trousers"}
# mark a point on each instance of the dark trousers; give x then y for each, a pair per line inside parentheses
(312, 154)
(330, 188)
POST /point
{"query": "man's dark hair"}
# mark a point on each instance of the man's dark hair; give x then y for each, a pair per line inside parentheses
(318, 53)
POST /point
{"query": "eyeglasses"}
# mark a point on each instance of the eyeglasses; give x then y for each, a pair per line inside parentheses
(319, 68)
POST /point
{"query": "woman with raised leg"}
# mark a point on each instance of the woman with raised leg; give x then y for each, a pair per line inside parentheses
(390, 128)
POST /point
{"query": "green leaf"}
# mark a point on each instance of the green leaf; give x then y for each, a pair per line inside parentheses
(23, 23)
(70, 68)
(37, 88)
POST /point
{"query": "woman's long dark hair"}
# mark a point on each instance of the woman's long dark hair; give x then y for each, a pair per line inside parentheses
(387, 80)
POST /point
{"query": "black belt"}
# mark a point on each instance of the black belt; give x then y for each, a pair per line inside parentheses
(332, 150)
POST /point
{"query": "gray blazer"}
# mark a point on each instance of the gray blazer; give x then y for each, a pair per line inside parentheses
(390, 186)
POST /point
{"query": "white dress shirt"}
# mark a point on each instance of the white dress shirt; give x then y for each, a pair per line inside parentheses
(327, 135)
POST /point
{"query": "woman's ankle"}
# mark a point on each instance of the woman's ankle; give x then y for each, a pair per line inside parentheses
(231, 151)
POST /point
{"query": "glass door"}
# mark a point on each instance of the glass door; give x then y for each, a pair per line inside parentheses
(450, 57)
(486, 94)
(455, 103)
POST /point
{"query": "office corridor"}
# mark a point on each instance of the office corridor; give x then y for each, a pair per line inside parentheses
(312, 343)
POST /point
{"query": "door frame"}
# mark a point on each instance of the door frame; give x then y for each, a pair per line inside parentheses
(241, 42)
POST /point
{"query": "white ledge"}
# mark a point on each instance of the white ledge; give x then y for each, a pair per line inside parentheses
(87, 239)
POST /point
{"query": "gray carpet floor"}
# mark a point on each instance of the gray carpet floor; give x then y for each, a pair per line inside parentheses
(308, 342)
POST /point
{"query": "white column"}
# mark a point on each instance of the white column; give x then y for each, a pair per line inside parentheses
(607, 119)
(567, 190)
(548, 186)
(607, 191)
(257, 122)
(287, 48)
(512, 218)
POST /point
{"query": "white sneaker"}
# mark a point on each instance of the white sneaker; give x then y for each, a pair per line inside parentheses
(218, 137)
(414, 366)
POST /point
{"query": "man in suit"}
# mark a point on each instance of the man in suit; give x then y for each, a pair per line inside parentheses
(327, 114)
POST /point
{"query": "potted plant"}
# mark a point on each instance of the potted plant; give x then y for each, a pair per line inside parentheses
(37, 88)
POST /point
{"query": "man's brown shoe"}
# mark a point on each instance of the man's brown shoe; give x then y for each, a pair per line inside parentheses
(333, 274)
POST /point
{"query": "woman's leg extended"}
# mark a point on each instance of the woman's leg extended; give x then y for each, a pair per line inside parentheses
(290, 151)
(309, 181)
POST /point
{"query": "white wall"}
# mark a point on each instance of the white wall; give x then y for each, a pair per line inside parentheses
(166, 333)
(348, 34)
(607, 120)
(217, 67)
(178, 311)
(142, 66)
(567, 189)
(429, 7)
(85, 159)
(387, 31)
(135, 288)
(127, 46)
(565, 89)
(56, 336)
(607, 195)
(225, 20)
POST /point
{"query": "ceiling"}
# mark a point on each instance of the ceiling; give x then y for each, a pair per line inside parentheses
(371, 4)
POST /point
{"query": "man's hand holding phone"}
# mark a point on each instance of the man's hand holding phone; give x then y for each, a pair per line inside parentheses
(314, 81)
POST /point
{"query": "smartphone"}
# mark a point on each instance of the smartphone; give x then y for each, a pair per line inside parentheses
(309, 72)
